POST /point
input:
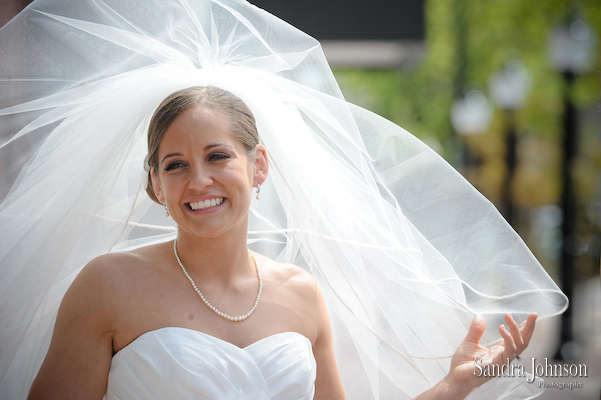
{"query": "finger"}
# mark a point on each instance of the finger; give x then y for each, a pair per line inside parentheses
(531, 317)
(529, 329)
(515, 333)
(510, 348)
(534, 316)
(476, 329)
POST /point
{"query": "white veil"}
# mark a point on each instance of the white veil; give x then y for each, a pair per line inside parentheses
(405, 250)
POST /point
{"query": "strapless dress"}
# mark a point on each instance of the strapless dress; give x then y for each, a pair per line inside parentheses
(179, 363)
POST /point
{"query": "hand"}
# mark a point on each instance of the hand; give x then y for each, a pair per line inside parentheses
(514, 342)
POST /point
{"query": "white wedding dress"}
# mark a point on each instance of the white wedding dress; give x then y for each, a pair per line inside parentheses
(180, 363)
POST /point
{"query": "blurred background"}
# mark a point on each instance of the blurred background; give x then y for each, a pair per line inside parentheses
(509, 93)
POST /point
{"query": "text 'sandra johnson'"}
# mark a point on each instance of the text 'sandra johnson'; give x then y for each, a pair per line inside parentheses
(539, 369)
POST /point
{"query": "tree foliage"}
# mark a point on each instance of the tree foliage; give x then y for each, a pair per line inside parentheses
(466, 42)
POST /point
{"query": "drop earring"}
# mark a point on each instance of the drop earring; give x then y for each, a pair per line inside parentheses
(166, 209)
(258, 196)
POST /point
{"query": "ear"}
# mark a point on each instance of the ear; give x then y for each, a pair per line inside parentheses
(156, 187)
(261, 165)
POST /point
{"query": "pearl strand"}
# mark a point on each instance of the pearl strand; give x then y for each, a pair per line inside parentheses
(212, 307)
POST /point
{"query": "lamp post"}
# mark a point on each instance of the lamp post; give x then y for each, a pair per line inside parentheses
(470, 115)
(571, 49)
(509, 89)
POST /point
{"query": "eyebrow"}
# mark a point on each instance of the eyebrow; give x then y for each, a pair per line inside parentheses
(171, 155)
(209, 147)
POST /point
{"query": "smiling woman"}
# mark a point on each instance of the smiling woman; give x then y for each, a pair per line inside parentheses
(202, 161)
(241, 123)
(367, 251)
(204, 174)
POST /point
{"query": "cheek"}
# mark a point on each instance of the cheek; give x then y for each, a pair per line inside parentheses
(239, 172)
(171, 185)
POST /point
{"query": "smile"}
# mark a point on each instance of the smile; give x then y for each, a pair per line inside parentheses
(202, 205)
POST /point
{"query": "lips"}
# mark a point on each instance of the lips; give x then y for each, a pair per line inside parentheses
(204, 204)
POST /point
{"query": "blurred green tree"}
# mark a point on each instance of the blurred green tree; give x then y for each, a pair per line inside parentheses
(466, 42)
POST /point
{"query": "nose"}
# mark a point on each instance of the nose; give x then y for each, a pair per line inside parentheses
(200, 178)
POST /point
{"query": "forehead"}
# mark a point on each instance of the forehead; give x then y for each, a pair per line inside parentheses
(199, 117)
(198, 124)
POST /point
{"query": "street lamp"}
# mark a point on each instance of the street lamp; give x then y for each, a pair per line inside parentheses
(571, 48)
(509, 89)
(572, 45)
(470, 115)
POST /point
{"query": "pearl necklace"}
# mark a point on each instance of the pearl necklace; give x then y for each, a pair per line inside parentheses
(212, 307)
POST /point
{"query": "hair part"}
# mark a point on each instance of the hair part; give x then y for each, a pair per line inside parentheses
(240, 118)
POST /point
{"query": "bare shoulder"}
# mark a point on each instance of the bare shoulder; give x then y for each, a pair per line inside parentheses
(295, 292)
(105, 267)
(95, 286)
(300, 292)
(289, 275)
(78, 359)
(113, 262)
(104, 284)
(89, 320)
(115, 268)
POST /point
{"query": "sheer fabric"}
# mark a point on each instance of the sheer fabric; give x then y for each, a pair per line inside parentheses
(404, 249)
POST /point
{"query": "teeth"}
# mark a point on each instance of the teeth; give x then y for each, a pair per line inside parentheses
(201, 205)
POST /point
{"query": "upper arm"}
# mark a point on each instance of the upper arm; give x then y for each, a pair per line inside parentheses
(81, 349)
(328, 384)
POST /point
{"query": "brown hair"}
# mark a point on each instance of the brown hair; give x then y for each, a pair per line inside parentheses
(241, 120)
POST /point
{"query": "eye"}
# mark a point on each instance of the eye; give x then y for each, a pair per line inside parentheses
(173, 165)
(218, 156)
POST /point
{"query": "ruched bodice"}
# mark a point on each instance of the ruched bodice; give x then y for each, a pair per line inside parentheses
(179, 363)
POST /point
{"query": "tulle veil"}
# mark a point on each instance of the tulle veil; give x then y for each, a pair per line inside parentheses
(404, 249)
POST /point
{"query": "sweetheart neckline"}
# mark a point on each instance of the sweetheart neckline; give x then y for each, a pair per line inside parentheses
(219, 340)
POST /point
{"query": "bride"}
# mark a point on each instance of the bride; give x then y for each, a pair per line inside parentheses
(207, 160)
(395, 253)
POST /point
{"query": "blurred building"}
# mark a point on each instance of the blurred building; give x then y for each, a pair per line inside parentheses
(354, 33)
(10, 8)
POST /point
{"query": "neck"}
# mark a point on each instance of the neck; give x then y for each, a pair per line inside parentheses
(219, 259)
